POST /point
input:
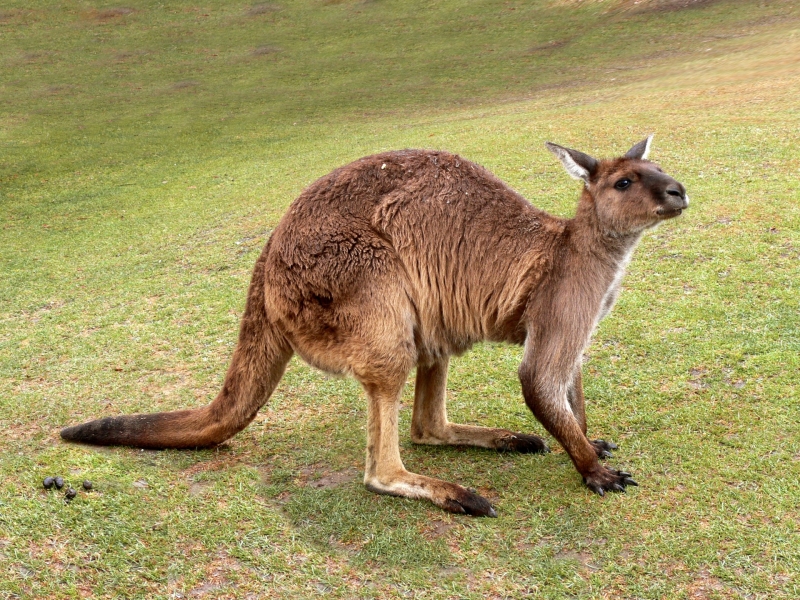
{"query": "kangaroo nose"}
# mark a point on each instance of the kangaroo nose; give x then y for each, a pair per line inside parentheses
(678, 193)
(675, 191)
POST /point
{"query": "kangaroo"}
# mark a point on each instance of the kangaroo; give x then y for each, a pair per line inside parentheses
(403, 259)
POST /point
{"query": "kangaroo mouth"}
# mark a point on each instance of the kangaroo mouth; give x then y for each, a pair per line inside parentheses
(669, 213)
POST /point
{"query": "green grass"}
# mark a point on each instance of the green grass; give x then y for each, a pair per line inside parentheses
(146, 152)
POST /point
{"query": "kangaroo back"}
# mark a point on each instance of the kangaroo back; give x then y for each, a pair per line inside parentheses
(258, 364)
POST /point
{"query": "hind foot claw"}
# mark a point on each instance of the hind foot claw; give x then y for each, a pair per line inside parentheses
(523, 443)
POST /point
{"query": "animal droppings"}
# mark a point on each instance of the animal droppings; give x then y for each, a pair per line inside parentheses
(87, 485)
(59, 481)
(71, 493)
(48, 482)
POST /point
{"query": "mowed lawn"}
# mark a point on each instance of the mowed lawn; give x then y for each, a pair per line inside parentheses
(147, 150)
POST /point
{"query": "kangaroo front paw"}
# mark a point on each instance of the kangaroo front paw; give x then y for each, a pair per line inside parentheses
(522, 442)
(603, 448)
(608, 480)
(465, 502)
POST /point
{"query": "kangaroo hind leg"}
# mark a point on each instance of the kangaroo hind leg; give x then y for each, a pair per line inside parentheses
(429, 424)
(385, 472)
(383, 355)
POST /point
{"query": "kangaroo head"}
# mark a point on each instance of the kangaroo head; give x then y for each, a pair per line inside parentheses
(627, 194)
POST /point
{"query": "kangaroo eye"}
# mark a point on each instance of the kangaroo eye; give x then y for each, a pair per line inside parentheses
(622, 184)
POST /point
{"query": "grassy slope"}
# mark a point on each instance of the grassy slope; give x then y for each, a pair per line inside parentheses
(147, 153)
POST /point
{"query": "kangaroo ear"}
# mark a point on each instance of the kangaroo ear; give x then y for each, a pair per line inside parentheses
(640, 150)
(578, 165)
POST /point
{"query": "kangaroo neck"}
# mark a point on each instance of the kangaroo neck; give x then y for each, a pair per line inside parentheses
(596, 245)
(596, 257)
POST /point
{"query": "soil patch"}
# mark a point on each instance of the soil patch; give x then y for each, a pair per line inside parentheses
(108, 14)
(262, 9)
(318, 478)
(650, 6)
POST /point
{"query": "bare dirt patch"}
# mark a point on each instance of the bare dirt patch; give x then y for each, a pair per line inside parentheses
(551, 45)
(217, 578)
(650, 6)
(265, 51)
(262, 9)
(198, 488)
(20, 15)
(583, 558)
(697, 377)
(215, 464)
(707, 586)
(438, 529)
(317, 477)
(105, 15)
(646, 6)
(26, 433)
(184, 85)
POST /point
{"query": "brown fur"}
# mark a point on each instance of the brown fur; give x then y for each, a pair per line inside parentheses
(405, 258)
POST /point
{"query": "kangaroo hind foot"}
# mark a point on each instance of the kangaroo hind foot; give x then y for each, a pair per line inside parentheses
(448, 496)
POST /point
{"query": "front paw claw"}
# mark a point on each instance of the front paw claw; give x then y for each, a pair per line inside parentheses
(603, 448)
(608, 480)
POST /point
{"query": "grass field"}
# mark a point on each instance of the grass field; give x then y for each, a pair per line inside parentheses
(146, 152)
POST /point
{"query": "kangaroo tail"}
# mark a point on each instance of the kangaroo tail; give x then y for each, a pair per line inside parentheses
(258, 364)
